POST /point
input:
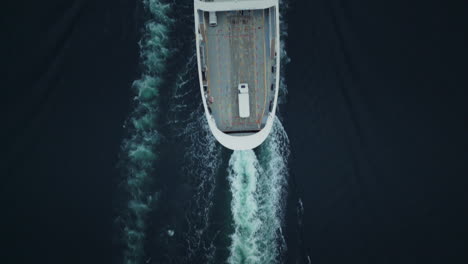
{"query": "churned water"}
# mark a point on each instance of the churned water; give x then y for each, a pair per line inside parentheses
(257, 179)
(258, 187)
(139, 153)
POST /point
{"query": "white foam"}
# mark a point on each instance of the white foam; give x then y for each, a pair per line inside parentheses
(139, 148)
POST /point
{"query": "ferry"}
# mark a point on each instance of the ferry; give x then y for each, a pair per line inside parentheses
(238, 63)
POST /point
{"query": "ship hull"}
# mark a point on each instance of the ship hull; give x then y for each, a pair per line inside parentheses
(249, 33)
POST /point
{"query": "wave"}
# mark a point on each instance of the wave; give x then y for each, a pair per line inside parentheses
(138, 149)
(243, 174)
(202, 158)
(274, 154)
(258, 188)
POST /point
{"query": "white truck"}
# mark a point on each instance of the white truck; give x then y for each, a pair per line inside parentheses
(213, 19)
(244, 105)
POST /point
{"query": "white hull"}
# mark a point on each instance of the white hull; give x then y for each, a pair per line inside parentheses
(230, 141)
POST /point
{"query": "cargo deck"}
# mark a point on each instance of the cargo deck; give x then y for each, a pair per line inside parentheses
(239, 50)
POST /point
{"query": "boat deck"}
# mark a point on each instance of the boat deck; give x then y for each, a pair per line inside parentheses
(238, 51)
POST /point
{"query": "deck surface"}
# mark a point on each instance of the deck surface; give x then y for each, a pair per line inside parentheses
(238, 52)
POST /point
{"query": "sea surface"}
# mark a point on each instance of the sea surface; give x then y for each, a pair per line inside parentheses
(218, 205)
(106, 155)
(189, 200)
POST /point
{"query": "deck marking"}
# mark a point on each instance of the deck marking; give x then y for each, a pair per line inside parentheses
(207, 74)
(255, 63)
(219, 74)
(228, 81)
(264, 63)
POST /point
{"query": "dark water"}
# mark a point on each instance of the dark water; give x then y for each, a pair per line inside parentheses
(380, 158)
(375, 112)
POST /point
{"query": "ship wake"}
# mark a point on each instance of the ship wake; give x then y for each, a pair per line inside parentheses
(202, 159)
(138, 150)
(258, 188)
